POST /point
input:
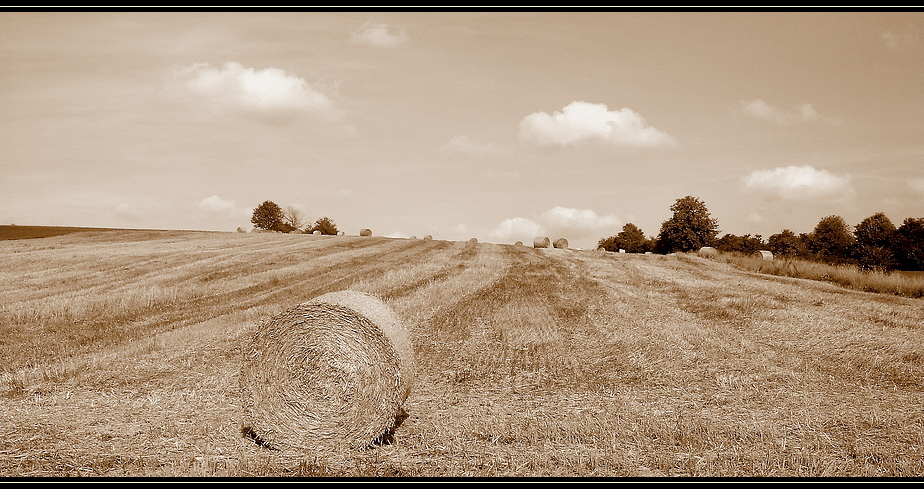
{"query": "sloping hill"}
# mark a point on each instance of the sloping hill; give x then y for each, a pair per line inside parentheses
(122, 351)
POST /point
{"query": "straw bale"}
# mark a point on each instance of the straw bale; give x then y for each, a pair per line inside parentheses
(541, 242)
(707, 251)
(333, 372)
(241, 230)
(427, 237)
(518, 243)
(561, 243)
(473, 240)
(766, 255)
(365, 232)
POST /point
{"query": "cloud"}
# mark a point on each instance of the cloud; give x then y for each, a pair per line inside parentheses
(581, 121)
(916, 185)
(378, 35)
(910, 36)
(270, 93)
(217, 205)
(760, 109)
(798, 183)
(581, 227)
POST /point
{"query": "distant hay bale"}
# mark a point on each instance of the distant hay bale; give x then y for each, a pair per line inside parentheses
(473, 240)
(766, 255)
(541, 242)
(561, 243)
(708, 251)
(340, 233)
(365, 232)
(413, 237)
(333, 372)
(427, 237)
(316, 232)
(518, 243)
(622, 250)
(241, 230)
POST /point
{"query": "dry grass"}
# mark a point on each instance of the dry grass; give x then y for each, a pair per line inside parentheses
(528, 363)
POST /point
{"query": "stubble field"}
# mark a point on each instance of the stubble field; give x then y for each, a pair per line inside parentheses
(122, 351)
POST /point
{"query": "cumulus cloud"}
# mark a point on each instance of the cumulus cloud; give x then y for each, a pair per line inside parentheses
(799, 183)
(760, 109)
(378, 35)
(218, 205)
(581, 227)
(271, 93)
(581, 121)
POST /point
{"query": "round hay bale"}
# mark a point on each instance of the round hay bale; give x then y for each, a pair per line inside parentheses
(316, 232)
(340, 233)
(518, 243)
(708, 251)
(333, 372)
(766, 255)
(541, 242)
(365, 232)
(561, 243)
(428, 237)
(473, 240)
(241, 230)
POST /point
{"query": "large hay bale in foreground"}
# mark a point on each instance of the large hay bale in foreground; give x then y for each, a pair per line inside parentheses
(561, 243)
(328, 373)
(541, 242)
(365, 232)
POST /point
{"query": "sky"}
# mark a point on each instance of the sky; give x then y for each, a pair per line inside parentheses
(500, 126)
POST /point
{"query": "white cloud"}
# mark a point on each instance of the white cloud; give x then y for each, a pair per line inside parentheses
(218, 205)
(581, 121)
(799, 183)
(760, 109)
(581, 227)
(271, 93)
(378, 35)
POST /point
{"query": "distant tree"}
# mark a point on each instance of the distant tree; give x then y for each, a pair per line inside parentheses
(631, 239)
(268, 216)
(785, 244)
(746, 244)
(293, 218)
(608, 244)
(831, 240)
(325, 225)
(873, 242)
(690, 228)
(908, 244)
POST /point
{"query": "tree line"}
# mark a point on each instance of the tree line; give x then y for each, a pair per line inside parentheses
(873, 244)
(268, 216)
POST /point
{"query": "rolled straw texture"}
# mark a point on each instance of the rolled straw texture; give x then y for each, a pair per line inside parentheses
(365, 232)
(541, 242)
(561, 243)
(333, 372)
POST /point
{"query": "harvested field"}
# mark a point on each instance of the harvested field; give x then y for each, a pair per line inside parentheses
(123, 353)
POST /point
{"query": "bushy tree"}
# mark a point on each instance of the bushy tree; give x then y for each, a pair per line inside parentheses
(831, 240)
(746, 244)
(690, 228)
(325, 225)
(908, 244)
(874, 238)
(269, 216)
(631, 239)
(785, 244)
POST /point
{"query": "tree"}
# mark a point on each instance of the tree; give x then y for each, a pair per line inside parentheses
(747, 244)
(631, 239)
(325, 225)
(831, 239)
(293, 218)
(874, 238)
(785, 244)
(908, 245)
(690, 228)
(268, 216)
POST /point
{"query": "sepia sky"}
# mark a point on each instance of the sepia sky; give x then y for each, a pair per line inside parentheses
(501, 126)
